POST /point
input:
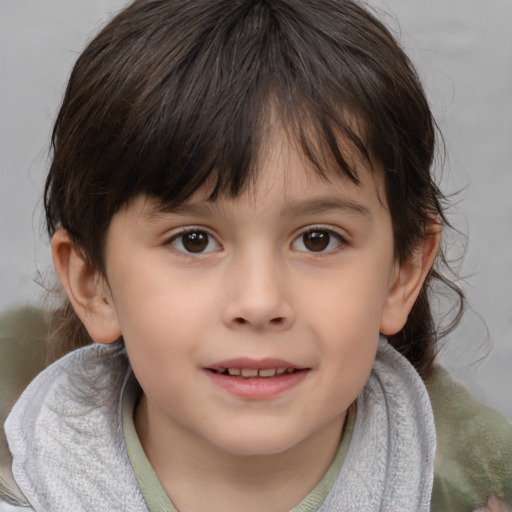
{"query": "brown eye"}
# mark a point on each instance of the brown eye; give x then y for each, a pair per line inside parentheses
(318, 240)
(195, 242)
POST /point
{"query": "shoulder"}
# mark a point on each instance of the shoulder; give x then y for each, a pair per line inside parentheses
(23, 354)
(77, 397)
(474, 448)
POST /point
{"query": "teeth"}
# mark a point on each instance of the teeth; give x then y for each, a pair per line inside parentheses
(270, 372)
(254, 372)
(249, 372)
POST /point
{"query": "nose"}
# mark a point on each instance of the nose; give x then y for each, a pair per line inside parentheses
(257, 294)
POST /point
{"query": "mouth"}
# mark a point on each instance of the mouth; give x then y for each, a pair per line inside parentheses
(251, 373)
(256, 379)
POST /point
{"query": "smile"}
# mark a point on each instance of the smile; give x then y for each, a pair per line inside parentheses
(252, 379)
(248, 373)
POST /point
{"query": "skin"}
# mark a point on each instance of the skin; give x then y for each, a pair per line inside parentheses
(494, 505)
(256, 289)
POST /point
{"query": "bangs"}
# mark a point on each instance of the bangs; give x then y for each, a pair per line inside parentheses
(201, 116)
(175, 95)
(224, 157)
(195, 105)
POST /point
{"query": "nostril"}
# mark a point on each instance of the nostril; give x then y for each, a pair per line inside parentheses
(277, 321)
(240, 320)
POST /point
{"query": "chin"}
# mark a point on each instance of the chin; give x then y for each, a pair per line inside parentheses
(255, 444)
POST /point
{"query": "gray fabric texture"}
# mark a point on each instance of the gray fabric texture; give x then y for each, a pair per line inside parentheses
(389, 464)
(65, 435)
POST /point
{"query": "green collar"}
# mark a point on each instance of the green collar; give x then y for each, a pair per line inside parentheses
(155, 495)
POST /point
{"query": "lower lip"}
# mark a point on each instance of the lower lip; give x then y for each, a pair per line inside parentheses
(259, 388)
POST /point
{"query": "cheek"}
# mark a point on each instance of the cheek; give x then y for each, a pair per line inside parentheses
(348, 301)
(343, 313)
(348, 356)
(152, 296)
(166, 315)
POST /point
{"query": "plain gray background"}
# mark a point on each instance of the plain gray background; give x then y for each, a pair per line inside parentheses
(463, 52)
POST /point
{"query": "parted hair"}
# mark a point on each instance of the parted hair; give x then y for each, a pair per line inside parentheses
(175, 94)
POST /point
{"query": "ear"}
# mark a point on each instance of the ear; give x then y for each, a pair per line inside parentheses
(87, 291)
(407, 280)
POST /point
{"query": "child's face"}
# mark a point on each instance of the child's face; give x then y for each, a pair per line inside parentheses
(298, 274)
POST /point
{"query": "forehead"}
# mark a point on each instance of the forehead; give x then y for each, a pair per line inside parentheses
(285, 177)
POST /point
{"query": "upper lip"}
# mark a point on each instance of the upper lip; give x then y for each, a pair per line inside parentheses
(256, 364)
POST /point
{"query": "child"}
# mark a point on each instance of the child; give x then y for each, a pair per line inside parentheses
(244, 220)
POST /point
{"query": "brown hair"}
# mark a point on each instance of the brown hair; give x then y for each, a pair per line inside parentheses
(173, 94)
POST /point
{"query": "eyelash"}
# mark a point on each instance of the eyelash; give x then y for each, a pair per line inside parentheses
(207, 243)
(332, 236)
(204, 235)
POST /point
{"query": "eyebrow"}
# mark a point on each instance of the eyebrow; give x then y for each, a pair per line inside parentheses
(325, 204)
(197, 209)
(292, 209)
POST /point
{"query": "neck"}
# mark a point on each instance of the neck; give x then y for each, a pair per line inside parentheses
(184, 462)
